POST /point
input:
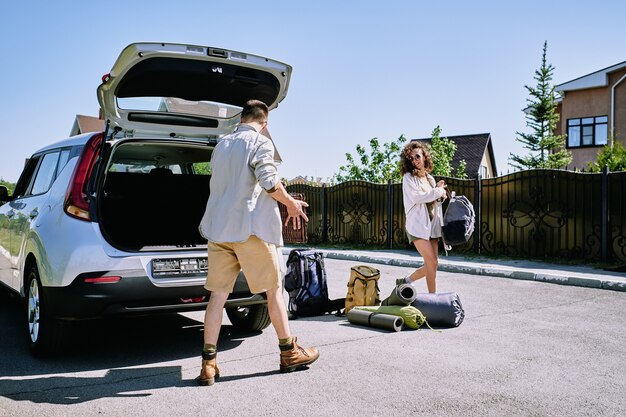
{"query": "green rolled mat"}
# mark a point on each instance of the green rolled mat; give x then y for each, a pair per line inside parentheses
(402, 295)
(413, 318)
(377, 320)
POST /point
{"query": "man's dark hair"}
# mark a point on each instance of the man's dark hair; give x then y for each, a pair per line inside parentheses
(254, 111)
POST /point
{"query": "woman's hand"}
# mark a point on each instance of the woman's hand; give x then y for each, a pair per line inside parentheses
(442, 184)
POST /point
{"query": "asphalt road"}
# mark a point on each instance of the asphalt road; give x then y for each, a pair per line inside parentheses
(525, 349)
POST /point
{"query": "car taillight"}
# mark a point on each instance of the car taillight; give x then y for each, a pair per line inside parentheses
(76, 200)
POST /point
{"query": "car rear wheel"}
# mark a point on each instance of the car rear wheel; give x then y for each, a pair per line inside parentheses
(47, 334)
(251, 318)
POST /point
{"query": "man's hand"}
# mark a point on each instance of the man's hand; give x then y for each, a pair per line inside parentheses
(295, 211)
(295, 208)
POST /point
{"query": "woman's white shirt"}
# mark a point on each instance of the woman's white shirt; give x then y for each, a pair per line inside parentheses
(415, 195)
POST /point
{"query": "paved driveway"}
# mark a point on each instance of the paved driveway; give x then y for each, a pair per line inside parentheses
(525, 349)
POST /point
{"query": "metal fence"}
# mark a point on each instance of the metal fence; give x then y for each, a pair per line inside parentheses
(535, 214)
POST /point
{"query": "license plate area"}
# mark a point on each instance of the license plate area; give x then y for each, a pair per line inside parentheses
(179, 267)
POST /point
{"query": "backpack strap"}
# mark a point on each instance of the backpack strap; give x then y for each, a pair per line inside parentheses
(321, 273)
(336, 305)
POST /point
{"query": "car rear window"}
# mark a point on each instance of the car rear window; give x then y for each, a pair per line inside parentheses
(46, 173)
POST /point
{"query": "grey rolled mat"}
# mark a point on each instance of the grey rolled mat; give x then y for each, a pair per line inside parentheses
(402, 295)
(441, 309)
(377, 320)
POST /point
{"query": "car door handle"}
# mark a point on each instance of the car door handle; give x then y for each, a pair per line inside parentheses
(33, 213)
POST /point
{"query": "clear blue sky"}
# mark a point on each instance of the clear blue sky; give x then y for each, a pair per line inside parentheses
(362, 69)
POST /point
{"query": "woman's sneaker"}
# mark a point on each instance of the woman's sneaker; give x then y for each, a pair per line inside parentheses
(402, 281)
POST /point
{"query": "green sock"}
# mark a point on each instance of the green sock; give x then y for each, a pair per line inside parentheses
(209, 348)
(285, 341)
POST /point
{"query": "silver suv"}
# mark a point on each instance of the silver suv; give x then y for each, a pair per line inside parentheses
(106, 224)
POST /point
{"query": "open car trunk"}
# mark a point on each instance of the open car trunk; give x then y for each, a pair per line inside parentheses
(154, 195)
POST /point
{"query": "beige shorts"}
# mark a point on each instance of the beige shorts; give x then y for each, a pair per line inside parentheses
(257, 259)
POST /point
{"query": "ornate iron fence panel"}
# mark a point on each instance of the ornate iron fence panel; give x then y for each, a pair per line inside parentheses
(400, 239)
(542, 214)
(617, 216)
(357, 213)
(314, 198)
(535, 214)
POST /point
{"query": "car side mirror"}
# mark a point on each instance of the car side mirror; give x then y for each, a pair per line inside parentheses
(4, 194)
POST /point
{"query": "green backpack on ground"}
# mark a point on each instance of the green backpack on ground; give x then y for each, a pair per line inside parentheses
(362, 287)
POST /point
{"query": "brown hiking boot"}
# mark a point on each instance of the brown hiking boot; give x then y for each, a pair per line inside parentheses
(209, 370)
(293, 356)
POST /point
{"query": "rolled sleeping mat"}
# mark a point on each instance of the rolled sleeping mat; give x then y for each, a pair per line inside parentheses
(377, 320)
(402, 295)
(440, 309)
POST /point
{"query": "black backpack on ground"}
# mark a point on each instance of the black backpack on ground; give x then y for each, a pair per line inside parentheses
(307, 286)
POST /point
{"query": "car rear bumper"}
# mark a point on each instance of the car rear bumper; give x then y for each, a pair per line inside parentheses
(133, 293)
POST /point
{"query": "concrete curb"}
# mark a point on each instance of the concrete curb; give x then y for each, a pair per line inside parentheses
(492, 271)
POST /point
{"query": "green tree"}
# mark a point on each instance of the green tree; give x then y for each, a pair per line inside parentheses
(546, 149)
(442, 151)
(202, 168)
(10, 186)
(612, 155)
(379, 165)
(461, 170)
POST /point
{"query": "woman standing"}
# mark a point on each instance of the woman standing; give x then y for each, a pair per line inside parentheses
(422, 206)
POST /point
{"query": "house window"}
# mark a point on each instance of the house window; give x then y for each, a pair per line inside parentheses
(587, 131)
(483, 172)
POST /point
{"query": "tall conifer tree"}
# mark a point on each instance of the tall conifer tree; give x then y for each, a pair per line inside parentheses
(547, 150)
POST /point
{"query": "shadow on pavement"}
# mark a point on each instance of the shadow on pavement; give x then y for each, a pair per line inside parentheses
(73, 390)
(325, 318)
(105, 344)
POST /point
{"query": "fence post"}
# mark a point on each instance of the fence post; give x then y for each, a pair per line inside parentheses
(389, 214)
(604, 233)
(478, 213)
(324, 215)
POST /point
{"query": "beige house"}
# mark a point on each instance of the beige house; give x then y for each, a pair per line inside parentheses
(592, 107)
(85, 124)
(304, 180)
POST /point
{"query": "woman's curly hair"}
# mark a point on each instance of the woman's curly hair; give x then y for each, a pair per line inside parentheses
(406, 165)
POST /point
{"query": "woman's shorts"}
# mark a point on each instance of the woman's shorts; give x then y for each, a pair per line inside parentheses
(412, 238)
(257, 259)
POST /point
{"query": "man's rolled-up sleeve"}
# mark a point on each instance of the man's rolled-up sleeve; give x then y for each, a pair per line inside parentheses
(264, 166)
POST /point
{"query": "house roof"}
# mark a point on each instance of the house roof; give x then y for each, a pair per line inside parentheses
(595, 79)
(471, 148)
(85, 124)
